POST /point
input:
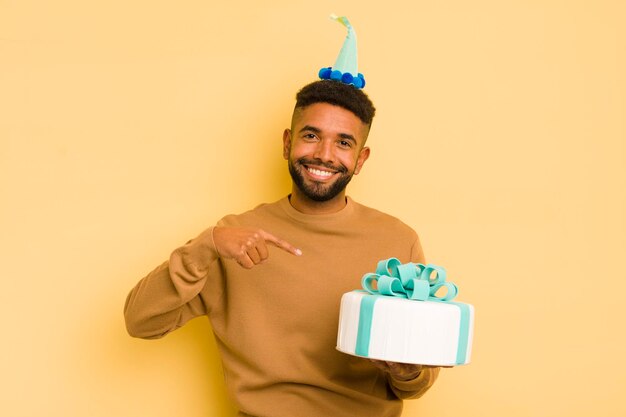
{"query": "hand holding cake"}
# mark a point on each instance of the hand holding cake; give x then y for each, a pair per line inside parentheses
(402, 371)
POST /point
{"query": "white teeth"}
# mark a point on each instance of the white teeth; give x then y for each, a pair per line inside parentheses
(320, 173)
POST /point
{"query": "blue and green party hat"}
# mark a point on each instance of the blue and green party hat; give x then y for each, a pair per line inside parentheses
(345, 69)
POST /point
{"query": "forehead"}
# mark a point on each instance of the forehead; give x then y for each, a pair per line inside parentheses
(329, 119)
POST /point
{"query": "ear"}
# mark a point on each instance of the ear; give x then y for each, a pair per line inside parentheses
(363, 155)
(286, 143)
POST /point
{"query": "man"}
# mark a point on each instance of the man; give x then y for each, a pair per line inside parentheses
(271, 279)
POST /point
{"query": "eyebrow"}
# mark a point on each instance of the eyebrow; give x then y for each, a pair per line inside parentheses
(309, 128)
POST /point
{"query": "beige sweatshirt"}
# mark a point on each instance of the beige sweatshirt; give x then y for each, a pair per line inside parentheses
(276, 324)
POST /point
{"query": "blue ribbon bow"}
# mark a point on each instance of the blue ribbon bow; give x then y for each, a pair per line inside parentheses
(411, 280)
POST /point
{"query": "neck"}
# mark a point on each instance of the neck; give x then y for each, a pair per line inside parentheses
(307, 206)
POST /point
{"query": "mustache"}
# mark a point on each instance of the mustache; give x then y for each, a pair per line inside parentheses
(319, 162)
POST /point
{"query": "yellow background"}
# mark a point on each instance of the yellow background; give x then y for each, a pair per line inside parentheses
(127, 127)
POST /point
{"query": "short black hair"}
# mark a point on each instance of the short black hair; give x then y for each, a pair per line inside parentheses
(338, 94)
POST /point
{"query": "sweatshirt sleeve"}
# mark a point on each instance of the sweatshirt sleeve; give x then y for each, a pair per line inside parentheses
(414, 388)
(417, 253)
(170, 295)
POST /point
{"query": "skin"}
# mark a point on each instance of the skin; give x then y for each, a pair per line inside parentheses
(324, 146)
(328, 139)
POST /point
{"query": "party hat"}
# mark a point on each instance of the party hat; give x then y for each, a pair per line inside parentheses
(345, 69)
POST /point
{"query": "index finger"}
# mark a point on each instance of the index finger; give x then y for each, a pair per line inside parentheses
(280, 243)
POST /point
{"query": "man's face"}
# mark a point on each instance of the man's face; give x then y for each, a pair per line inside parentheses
(324, 149)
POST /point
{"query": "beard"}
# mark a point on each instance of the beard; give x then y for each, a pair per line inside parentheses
(318, 191)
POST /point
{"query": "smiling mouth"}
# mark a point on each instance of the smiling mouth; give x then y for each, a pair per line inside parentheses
(320, 172)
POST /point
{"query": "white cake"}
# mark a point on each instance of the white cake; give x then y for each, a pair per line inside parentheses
(396, 329)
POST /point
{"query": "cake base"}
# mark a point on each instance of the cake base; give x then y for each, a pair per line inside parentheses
(407, 331)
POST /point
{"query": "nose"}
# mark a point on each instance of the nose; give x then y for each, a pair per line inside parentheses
(324, 151)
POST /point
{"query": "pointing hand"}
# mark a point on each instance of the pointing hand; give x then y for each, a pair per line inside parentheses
(248, 246)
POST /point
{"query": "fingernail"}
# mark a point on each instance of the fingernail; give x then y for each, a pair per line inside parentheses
(298, 252)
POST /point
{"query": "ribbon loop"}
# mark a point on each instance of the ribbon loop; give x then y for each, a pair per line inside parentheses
(413, 281)
(391, 286)
(388, 267)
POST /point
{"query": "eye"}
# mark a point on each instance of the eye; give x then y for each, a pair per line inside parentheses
(310, 136)
(345, 144)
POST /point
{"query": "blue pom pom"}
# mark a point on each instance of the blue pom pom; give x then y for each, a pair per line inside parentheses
(362, 80)
(324, 73)
(327, 73)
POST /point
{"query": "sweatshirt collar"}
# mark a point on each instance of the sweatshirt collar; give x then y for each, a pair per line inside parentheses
(342, 214)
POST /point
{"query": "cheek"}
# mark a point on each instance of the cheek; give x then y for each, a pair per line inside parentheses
(351, 161)
(301, 149)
